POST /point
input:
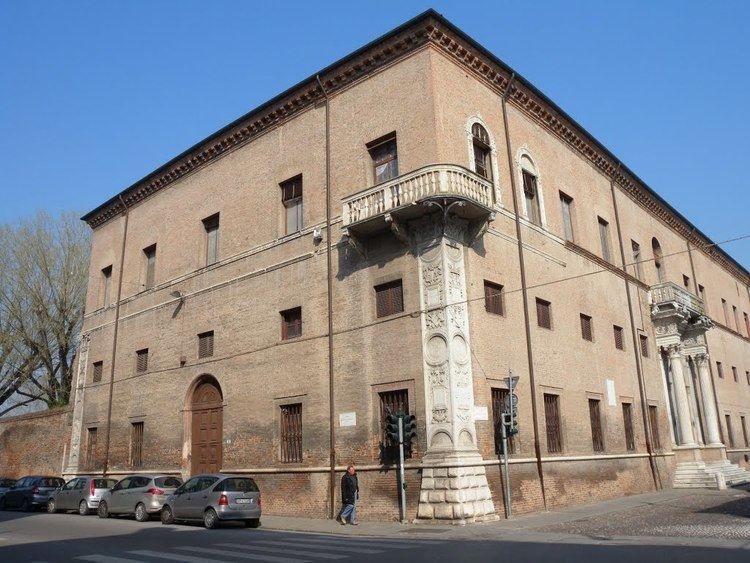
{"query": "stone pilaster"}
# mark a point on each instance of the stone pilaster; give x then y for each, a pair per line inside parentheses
(709, 405)
(684, 422)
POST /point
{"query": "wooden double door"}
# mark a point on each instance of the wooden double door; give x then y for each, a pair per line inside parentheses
(206, 429)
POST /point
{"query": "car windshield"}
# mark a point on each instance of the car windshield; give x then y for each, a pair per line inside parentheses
(50, 482)
(167, 482)
(104, 483)
(237, 485)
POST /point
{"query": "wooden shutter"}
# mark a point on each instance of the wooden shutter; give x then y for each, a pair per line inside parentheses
(627, 420)
(136, 444)
(291, 433)
(141, 360)
(91, 435)
(206, 344)
(730, 434)
(389, 298)
(653, 416)
(644, 346)
(596, 425)
(392, 402)
(586, 329)
(291, 323)
(493, 298)
(619, 344)
(552, 420)
(498, 406)
(98, 369)
(543, 314)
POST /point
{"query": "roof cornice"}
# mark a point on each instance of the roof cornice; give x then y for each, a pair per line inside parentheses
(427, 28)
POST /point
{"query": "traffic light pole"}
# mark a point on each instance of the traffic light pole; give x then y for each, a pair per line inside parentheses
(506, 473)
(401, 483)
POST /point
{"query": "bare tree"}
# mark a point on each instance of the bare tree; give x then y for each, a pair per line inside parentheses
(43, 275)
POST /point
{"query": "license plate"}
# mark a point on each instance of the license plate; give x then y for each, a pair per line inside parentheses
(244, 500)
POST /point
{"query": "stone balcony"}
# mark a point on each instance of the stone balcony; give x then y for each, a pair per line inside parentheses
(409, 196)
(678, 315)
(668, 296)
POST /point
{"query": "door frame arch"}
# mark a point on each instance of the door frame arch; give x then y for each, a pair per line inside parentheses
(187, 412)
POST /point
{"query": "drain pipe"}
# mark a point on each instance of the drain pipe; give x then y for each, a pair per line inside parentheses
(329, 270)
(114, 339)
(524, 293)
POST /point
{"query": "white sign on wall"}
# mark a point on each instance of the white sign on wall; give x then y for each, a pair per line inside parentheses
(480, 413)
(611, 396)
(348, 419)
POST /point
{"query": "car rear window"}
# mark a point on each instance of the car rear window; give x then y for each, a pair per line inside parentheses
(50, 482)
(168, 482)
(104, 483)
(7, 482)
(237, 485)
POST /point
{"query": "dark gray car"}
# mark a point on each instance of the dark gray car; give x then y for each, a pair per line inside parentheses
(30, 492)
(5, 484)
(141, 495)
(213, 499)
(82, 494)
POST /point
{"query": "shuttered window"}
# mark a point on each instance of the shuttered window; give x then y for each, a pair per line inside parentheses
(136, 444)
(384, 154)
(735, 375)
(291, 433)
(587, 330)
(392, 402)
(686, 282)
(531, 195)
(653, 416)
(482, 151)
(604, 239)
(595, 417)
(619, 340)
(291, 199)
(150, 258)
(743, 423)
(720, 370)
(627, 421)
(206, 344)
(98, 369)
(141, 361)
(389, 298)
(552, 420)
(730, 432)
(106, 286)
(543, 313)
(291, 323)
(90, 458)
(493, 298)
(644, 345)
(566, 207)
(498, 407)
(211, 225)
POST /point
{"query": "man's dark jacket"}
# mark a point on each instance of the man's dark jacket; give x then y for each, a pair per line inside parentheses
(349, 488)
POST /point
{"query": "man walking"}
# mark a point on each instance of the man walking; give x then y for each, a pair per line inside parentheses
(349, 496)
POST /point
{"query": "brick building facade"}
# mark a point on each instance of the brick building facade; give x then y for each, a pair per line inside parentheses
(405, 228)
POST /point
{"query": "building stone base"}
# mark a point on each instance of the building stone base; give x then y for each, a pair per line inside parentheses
(455, 494)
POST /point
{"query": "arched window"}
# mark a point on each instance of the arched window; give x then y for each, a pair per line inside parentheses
(482, 151)
(658, 260)
(531, 191)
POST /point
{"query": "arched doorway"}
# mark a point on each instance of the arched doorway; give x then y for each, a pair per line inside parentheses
(206, 427)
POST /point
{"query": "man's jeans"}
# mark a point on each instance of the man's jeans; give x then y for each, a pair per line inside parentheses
(349, 512)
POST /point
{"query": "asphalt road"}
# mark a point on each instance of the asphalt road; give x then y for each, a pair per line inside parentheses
(40, 537)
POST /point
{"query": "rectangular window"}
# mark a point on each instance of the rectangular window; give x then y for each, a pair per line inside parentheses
(686, 282)
(291, 323)
(392, 402)
(206, 344)
(743, 423)
(587, 329)
(552, 420)
(653, 417)
(493, 298)
(389, 298)
(595, 417)
(499, 397)
(736, 318)
(291, 433)
(637, 268)
(136, 444)
(141, 361)
(644, 345)
(747, 376)
(566, 206)
(543, 313)
(106, 286)
(627, 421)
(384, 154)
(702, 295)
(150, 258)
(747, 324)
(90, 458)
(531, 196)
(619, 340)
(735, 375)
(98, 369)
(726, 312)
(730, 433)
(211, 225)
(291, 198)
(604, 239)
(720, 370)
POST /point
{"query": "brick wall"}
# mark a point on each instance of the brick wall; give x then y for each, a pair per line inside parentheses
(34, 443)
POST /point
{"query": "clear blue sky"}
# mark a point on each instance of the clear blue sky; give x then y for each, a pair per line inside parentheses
(95, 95)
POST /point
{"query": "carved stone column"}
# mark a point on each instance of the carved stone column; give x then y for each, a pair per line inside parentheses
(674, 352)
(78, 392)
(453, 489)
(709, 405)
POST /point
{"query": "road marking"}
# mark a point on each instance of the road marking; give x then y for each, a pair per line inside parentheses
(253, 547)
(368, 544)
(239, 555)
(316, 546)
(175, 556)
(106, 559)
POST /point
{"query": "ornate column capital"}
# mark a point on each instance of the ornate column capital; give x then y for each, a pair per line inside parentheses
(701, 359)
(674, 350)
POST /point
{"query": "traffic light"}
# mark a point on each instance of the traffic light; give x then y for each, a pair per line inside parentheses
(410, 432)
(391, 429)
(513, 426)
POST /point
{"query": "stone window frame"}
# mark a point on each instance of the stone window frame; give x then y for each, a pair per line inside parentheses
(477, 118)
(522, 154)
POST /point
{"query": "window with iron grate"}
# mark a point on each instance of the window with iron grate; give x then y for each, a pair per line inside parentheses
(141, 361)
(391, 402)
(627, 421)
(587, 329)
(499, 397)
(552, 421)
(595, 417)
(98, 368)
(136, 444)
(206, 344)
(291, 323)
(619, 340)
(291, 433)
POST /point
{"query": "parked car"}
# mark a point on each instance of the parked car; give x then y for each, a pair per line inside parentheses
(5, 484)
(82, 494)
(141, 495)
(30, 492)
(213, 499)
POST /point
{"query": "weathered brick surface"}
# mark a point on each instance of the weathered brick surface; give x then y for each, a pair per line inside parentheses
(34, 443)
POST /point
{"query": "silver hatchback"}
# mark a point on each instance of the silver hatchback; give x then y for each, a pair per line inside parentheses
(141, 495)
(213, 499)
(82, 494)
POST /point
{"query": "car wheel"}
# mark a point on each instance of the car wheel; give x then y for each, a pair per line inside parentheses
(51, 506)
(166, 515)
(210, 519)
(25, 505)
(102, 511)
(83, 508)
(252, 523)
(140, 512)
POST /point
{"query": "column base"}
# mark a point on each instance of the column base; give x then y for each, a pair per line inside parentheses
(455, 494)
